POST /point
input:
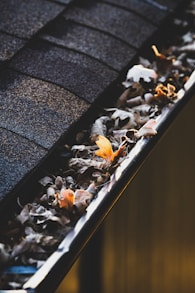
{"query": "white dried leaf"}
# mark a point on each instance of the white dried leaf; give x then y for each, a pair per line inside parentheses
(44, 240)
(81, 150)
(38, 210)
(191, 62)
(14, 285)
(143, 110)
(26, 245)
(5, 254)
(134, 101)
(83, 164)
(122, 115)
(24, 214)
(188, 48)
(45, 181)
(138, 72)
(59, 182)
(148, 129)
(99, 127)
(188, 37)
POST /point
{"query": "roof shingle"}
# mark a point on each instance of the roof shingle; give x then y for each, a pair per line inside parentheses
(78, 73)
(23, 18)
(37, 110)
(121, 23)
(98, 45)
(18, 156)
(47, 85)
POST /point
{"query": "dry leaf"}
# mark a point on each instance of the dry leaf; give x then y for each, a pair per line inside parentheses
(124, 119)
(5, 254)
(165, 94)
(82, 199)
(148, 129)
(163, 63)
(45, 181)
(136, 89)
(65, 198)
(99, 127)
(188, 47)
(81, 165)
(105, 149)
(138, 72)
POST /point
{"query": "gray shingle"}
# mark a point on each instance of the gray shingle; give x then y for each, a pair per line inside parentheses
(97, 44)
(78, 73)
(17, 157)
(37, 110)
(119, 22)
(171, 4)
(9, 46)
(23, 18)
(34, 112)
(64, 1)
(151, 12)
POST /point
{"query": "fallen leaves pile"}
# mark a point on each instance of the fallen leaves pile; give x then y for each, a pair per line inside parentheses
(150, 87)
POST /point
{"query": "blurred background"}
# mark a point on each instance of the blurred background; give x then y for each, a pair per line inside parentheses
(147, 242)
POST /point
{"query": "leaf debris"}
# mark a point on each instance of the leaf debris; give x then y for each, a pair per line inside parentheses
(37, 230)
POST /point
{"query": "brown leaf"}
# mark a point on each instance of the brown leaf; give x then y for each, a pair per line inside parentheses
(82, 199)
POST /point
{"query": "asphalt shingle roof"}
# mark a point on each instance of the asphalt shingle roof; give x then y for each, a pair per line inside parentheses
(118, 22)
(23, 18)
(76, 72)
(56, 59)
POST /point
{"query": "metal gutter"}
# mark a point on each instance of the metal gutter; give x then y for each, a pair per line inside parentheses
(51, 273)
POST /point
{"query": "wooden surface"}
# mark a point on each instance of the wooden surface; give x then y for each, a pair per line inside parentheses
(149, 236)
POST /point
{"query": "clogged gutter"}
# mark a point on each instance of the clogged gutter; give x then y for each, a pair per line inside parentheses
(150, 89)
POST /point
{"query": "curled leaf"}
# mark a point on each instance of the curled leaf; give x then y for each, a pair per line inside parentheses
(82, 199)
(105, 149)
(65, 198)
(99, 127)
(163, 62)
(124, 119)
(136, 89)
(165, 94)
(81, 165)
(148, 129)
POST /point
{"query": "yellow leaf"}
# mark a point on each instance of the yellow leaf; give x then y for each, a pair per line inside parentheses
(105, 149)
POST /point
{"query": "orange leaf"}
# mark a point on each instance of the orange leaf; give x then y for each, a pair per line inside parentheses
(105, 149)
(65, 198)
(157, 53)
(165, 91)
(163, 62)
